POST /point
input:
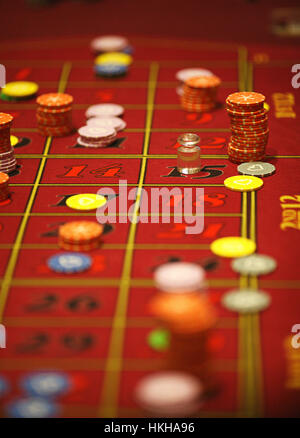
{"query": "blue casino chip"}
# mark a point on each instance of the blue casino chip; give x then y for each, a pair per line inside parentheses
(4, 386)
(46, 384)
(128, 50)
(33, 407)
(69, 262)
(111, 70)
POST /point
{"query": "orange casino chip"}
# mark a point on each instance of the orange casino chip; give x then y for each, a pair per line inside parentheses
(81, 247)
(4, 189)
(4, 178)
(246, 99)
(5, 119)
(203, 82)
(55, 100)
(183, 312)
(80, 231)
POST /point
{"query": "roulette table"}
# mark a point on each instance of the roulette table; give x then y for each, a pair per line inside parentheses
(94, 326)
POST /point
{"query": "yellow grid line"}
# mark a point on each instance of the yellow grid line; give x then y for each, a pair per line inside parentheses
(130, 84)
(8, 276)
(85, 156)
(92, 364)
(149, 215)
(92, 321)
(136, 41)
(219, 283)
(115, 185)
(142, 130)
(250, 366)
(243, 358)
(112, 376)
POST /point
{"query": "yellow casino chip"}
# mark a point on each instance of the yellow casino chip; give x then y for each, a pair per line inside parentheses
(243, 183)
(86, 201)
(20, 89)
(233, 247)
(14, 140)
(113, 58)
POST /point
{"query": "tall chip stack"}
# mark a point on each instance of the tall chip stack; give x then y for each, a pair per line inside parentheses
(8, 161)
(112, 56)
(199, 93)
(249, 127)
(54, 114)
(183, 308)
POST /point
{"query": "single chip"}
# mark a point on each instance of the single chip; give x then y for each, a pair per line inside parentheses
(46, 384)
(4, 178)
(246, 98)
(98, 144)
(32, 407)
(113, 58)
(4, 386)
(256, 169)
(170, 393)
(69, 263)
(246, 300)
(20, 89)
(159, 339)
(183, 313)
(5, 119)
(255, 264)
(107, 122)
(89, 132)
(203, 82)
(187, 73)
(233, 247)
(179, 277)
(109, 43)
(104, 110)
(55, 100)
(86, 201)
(243, 183)
(14, 140)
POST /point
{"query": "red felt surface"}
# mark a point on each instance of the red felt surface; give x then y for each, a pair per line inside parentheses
(26, 312)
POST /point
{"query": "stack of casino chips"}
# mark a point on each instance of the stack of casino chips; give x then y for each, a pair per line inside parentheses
(112, 64)
(112, 56)
(200, 93)
(184, 310)
(8, 161)
(187, 73)
(103, 123)
(249, 126)
(96, 136)
(80, 236)
(4, 189)
(54, 114)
